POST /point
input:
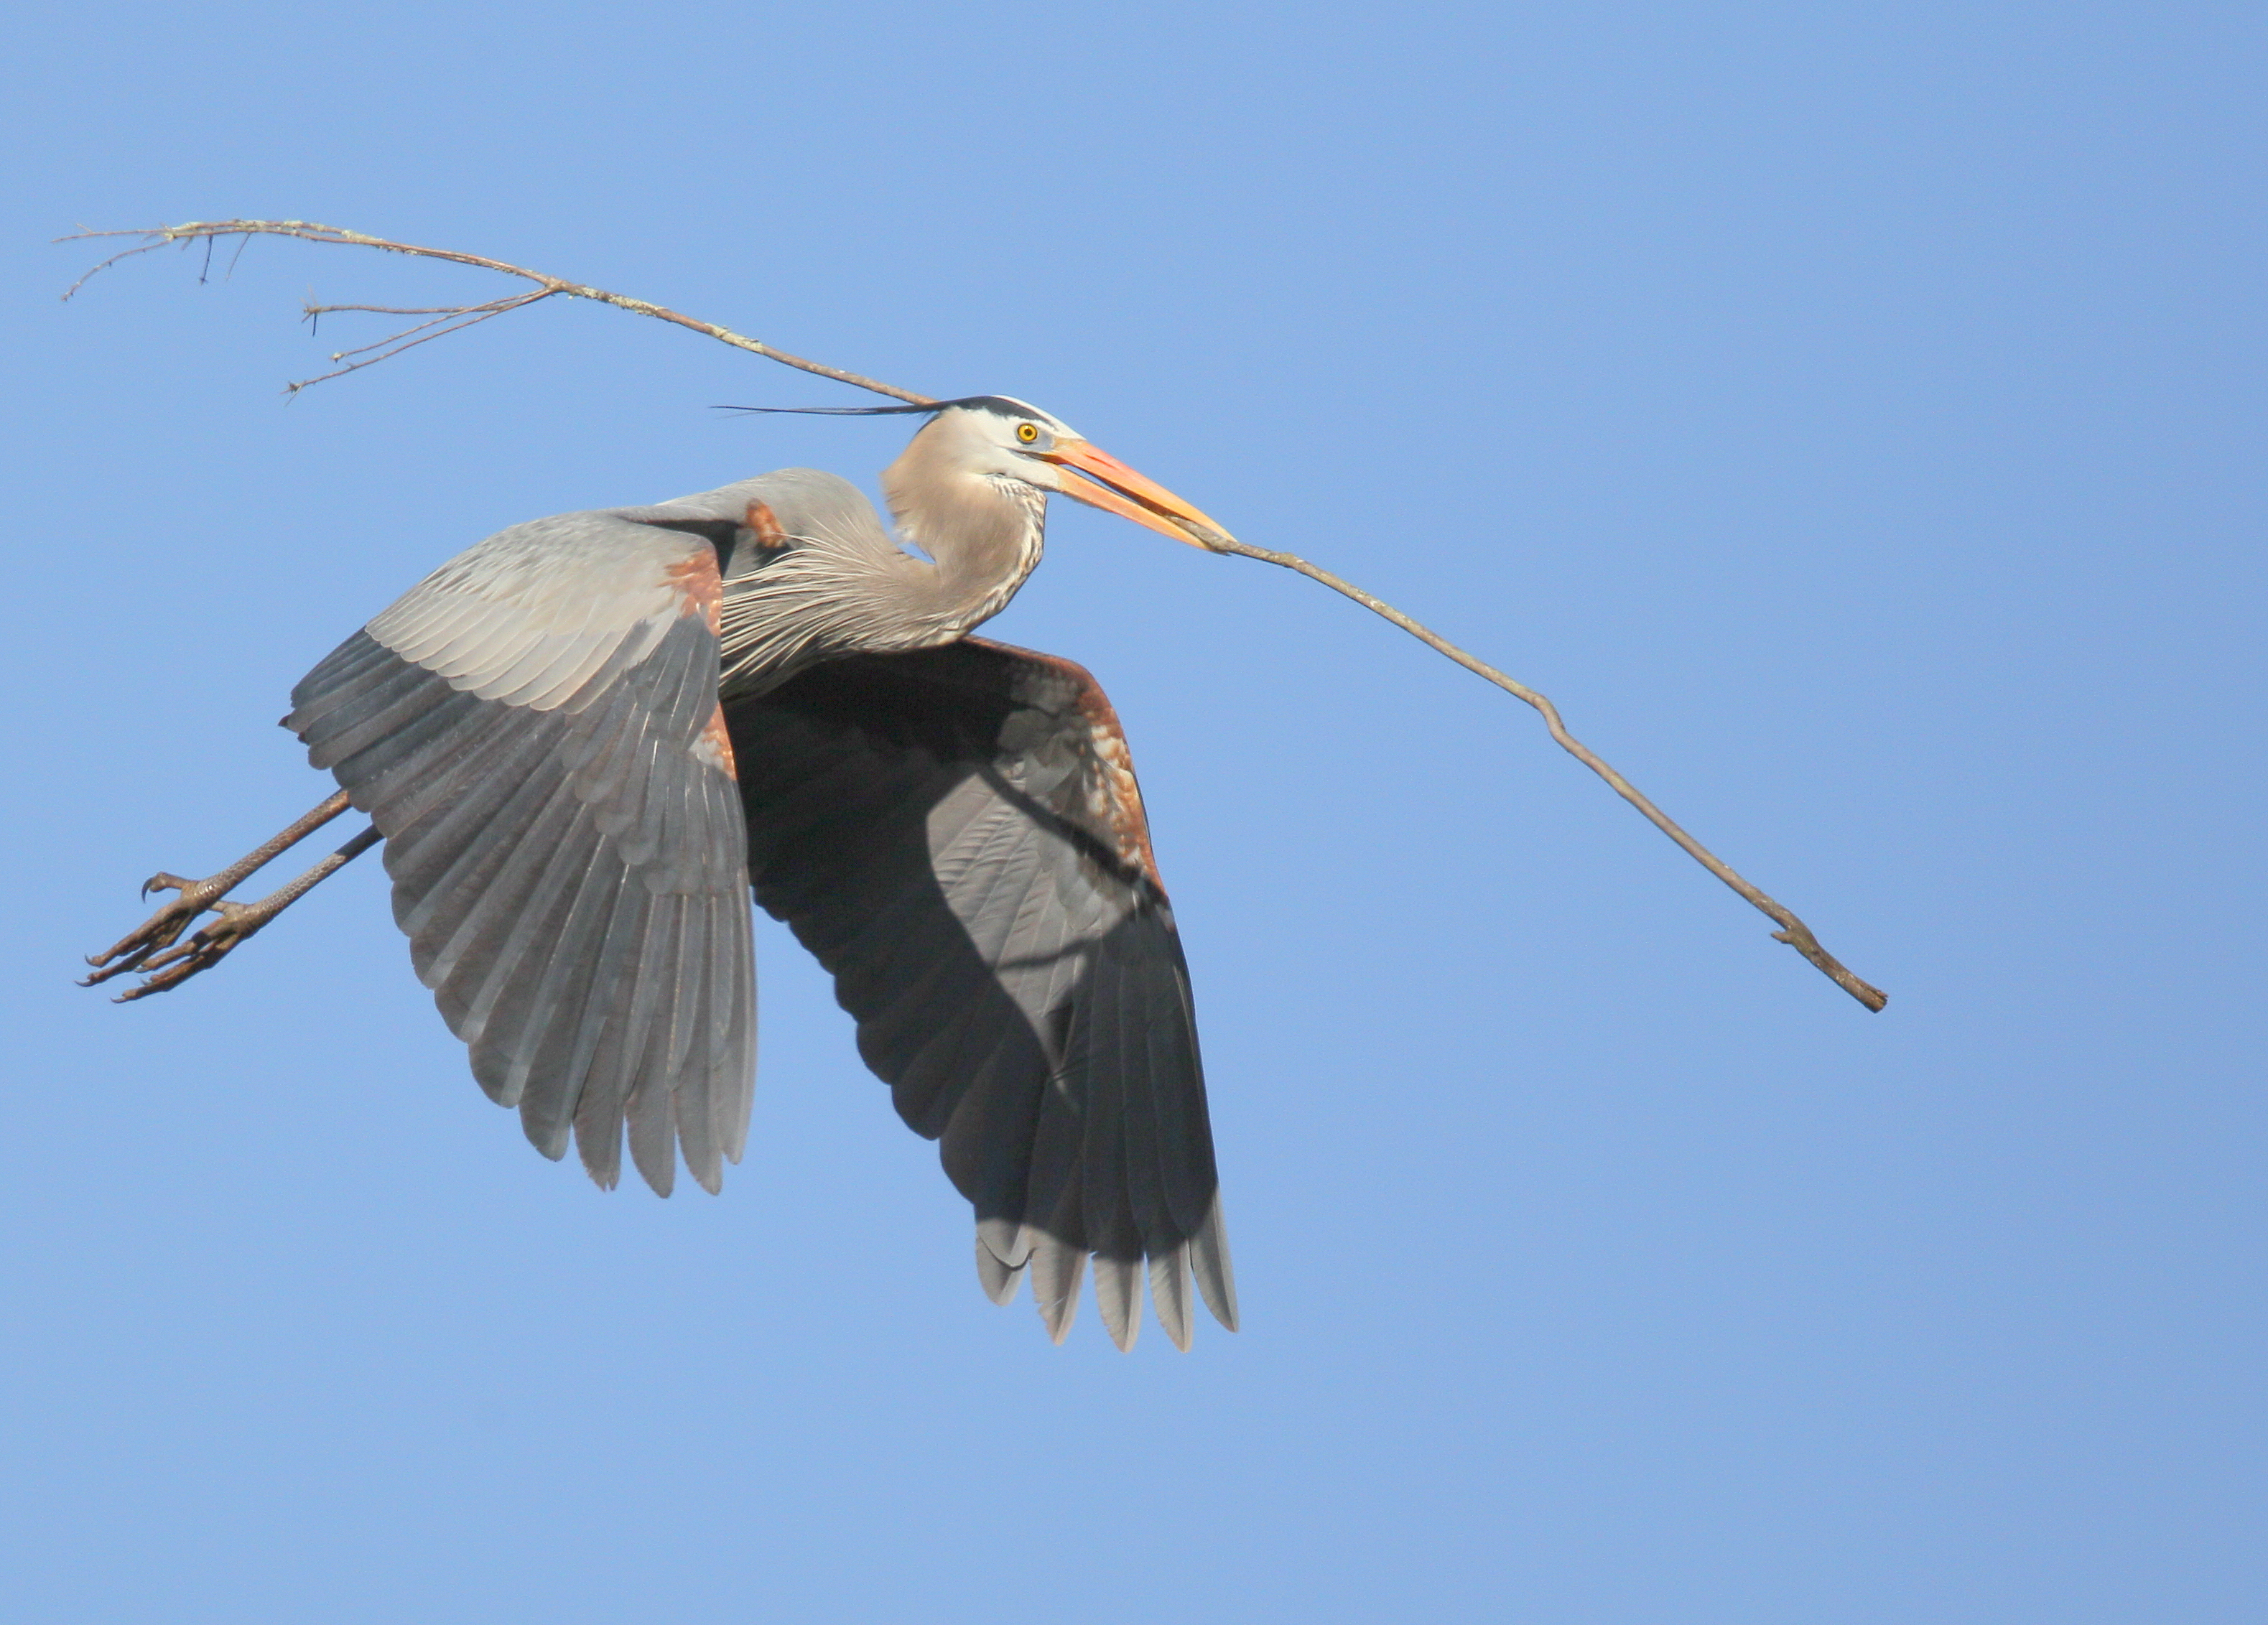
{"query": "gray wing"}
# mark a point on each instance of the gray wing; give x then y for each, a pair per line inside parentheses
(956, 833)
(534, 728)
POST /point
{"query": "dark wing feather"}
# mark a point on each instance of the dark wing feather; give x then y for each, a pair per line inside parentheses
(535, 731)
(957, 836)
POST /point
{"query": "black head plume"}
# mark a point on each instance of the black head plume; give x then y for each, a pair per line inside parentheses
(985, 403)
(934, 406)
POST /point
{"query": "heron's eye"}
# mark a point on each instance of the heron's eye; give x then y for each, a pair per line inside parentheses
(1027, 432)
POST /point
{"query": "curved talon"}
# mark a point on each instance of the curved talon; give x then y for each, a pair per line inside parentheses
(197, 891)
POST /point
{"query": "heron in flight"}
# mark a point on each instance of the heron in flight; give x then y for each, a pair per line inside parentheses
(583, 739)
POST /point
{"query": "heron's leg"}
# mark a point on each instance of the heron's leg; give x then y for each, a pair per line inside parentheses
(161, 929)
(236, 925)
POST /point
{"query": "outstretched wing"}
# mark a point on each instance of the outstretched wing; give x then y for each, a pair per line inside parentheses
(957, 834)
(535, 729)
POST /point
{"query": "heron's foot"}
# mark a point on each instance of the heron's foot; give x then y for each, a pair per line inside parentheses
(150, 946)
(162, 929)
(212, 944)
(156, 950)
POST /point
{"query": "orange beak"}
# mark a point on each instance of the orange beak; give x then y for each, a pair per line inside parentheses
(1112, 486)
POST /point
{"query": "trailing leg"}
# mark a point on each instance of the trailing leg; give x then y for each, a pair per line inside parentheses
(141, 949)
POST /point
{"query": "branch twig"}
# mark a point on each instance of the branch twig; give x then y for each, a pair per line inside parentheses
(310, 231)
(446, 320)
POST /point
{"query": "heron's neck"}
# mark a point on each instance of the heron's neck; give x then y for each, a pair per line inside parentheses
(984, 535)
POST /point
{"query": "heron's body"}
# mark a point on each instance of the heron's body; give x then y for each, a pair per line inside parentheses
(582, 739)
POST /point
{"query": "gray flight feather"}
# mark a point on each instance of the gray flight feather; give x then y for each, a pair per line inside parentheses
(534, 730)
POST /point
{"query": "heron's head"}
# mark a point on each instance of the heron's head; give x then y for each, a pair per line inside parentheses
(998, 438)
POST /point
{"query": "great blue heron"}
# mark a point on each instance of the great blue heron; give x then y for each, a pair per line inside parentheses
(547, 732)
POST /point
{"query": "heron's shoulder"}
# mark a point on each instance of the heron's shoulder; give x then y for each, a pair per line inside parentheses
(596, 545)
(793, 494)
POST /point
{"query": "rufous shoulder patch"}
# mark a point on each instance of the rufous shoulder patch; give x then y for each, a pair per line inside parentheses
(1114, 795)
(764, 525)
(700, 590)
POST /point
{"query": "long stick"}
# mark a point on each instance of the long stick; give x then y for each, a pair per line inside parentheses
(445, 319)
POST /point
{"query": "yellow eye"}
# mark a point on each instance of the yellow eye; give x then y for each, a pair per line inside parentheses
(1027, 432)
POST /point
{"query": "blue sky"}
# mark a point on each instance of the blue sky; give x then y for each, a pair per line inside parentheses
(1849, 414)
